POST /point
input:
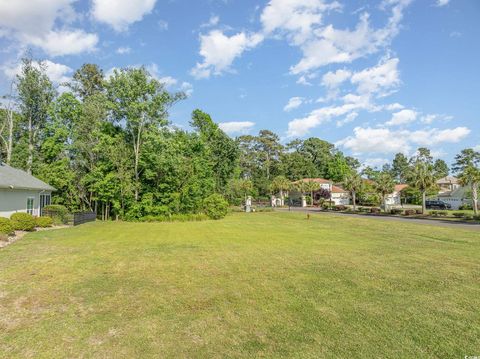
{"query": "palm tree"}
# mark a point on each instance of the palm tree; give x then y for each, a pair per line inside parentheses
(384, 185)
(422, 177)
(353, 183)
(311, 186)
(299, 186)
(280, 184)
(468, 166)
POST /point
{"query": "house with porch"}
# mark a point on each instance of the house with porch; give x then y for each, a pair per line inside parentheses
(22, 192)
(337, 194)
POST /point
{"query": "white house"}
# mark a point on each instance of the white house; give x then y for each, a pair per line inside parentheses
(21, 192)
(395, 198)
(456, 198)
(338, 195)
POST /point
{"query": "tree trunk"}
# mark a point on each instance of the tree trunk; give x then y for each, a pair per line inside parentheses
(475, 198)
(311, 198)
(30, 147)
(281, 198)
(424, 207)
(384, 200)
(354, 201)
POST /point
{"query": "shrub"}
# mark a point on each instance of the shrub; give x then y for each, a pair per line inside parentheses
(419, 211)
(442, 213)
(175, 218)
(459, 214)
(6, 226)
(433, 213)
(3, 237)
(396, 211)
(374, 210)
(468, 216)
(477, 218)
(215, 206)
(44, 222)
(410, 212)
(23, 221)
(466, 207)
(340, 207)
(58, 213)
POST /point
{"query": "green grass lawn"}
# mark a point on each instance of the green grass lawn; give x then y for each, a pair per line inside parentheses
(259, 285)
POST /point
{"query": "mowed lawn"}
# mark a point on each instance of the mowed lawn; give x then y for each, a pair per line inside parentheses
(259, 285)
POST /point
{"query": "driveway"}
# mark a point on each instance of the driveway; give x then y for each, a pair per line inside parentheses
(430, 222)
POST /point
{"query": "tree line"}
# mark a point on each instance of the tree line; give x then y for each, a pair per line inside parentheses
(106, 144)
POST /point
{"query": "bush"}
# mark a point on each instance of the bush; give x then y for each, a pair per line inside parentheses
(410, 212)
(374, 210)
(44, 222)
(466, 207)
(340, 207)
(419, 211)
(477, 218)
(396, 211)
(215, 206)
(433, 213)
(58, 213)
(459, 214)
(468, 216)
(3, 237)
(175, 218)
(23, 221)
(6, 226)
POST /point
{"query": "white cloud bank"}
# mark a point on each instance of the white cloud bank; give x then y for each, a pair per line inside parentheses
(234, 127)
(33, 22)
(119, 14)
(293, 103)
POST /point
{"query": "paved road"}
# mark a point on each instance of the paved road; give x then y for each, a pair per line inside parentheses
(430, 222)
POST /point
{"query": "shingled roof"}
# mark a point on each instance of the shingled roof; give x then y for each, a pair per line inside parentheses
(14, 178)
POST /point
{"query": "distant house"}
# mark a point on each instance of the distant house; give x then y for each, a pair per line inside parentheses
(21, 192)
(338, 195)
(456, 198)
(395, 198)
(448, 184)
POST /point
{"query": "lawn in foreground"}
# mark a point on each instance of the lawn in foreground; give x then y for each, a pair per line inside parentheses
(257, 285)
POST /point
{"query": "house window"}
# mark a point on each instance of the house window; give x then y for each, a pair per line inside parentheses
(30, 205)
(44, 201)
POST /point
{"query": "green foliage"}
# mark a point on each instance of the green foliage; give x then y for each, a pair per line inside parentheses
(57, 212)
(6, 226)
(215, 206)
(23, 221)
(43, 222)
(176, 218)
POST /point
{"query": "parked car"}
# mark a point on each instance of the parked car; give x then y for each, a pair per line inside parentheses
(437, 205)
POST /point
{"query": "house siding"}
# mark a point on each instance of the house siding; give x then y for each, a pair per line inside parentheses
(12, 201)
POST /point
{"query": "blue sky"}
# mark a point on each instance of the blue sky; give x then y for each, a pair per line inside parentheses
(373, 77)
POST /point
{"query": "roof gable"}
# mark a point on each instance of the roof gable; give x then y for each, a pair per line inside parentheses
(13, 178)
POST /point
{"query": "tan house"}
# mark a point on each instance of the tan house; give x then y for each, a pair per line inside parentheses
(448, 184)
(395, 198)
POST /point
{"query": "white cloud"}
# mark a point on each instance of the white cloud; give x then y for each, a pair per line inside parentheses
(349, 118)
(33, 23)
(162, 25)
(375, 162)
(293, 103)
(236, 127)
(187, 88)
(295, 18)
(442, 2)
(378, 79)
(168, 81)
(476, 148)
(334, 79)
(119, 14)
(58, 43)
(58, 73)
(402, 117)
(374, 140)
(384, 140)
(123, 50)
(394, 106)
(330, 45)
(213, 21)
(219, 51)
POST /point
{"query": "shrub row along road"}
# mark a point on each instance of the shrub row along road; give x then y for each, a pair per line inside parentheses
(430, 222)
